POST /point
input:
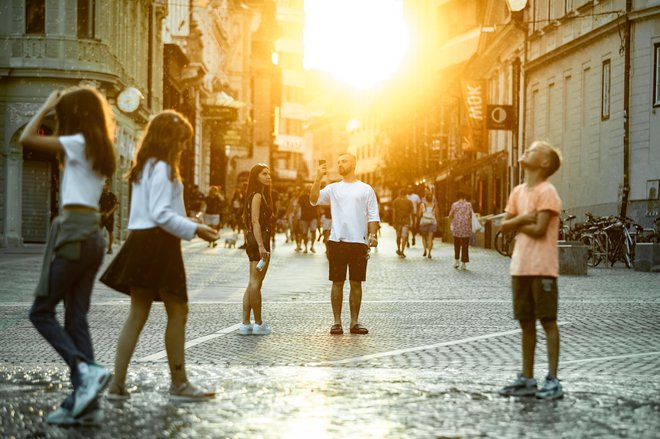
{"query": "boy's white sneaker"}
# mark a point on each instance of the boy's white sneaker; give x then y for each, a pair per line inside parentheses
(521, 386)
(551, 389)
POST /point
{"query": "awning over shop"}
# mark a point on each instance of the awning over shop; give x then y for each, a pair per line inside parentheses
(469, 167)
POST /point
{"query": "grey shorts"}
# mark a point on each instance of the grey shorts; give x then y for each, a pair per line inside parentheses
(534, 297)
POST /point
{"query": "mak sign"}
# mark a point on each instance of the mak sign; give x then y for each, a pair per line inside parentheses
(499, 117)
(474, 136)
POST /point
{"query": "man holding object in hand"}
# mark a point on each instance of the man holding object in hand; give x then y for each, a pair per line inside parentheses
(355, 222)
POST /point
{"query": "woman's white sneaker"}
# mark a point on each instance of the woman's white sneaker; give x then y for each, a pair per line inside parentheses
(245, 329)
(262, 329)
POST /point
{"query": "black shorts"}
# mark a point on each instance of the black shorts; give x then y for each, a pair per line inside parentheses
(252, 248)
(351, 255)
(534, 297)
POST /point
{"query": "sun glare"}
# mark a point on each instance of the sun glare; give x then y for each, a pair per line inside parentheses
(360, 42)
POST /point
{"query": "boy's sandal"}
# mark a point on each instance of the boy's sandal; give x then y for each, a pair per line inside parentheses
(117, 392)
(186, 392)
(336, 329)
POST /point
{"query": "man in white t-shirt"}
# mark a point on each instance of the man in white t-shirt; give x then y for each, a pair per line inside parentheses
(412, 196)
(355, 222)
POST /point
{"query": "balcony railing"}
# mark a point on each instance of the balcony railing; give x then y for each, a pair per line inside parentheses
(63, 53)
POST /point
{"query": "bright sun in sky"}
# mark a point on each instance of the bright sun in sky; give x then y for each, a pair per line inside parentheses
(360, 42)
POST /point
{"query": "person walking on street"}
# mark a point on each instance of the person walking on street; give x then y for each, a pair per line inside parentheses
(212, 211)
(258, 218)
(149, 266)
(402, 219)
(533, 211)
(309, 221)
(355, 222)
(412, 196)
(74, 251)
(108, 204)
(428, 223)
(460, 218)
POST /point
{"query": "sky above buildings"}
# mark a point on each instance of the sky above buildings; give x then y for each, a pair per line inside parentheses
(359, 42)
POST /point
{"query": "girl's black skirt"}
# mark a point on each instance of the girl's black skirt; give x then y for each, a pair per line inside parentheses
(151, 259)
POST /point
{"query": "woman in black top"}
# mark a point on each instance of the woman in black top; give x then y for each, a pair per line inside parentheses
(257, 217)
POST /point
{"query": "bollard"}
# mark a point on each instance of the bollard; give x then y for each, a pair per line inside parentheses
(573, 258)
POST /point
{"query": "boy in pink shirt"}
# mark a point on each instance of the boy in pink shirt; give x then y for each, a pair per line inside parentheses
(533, 212)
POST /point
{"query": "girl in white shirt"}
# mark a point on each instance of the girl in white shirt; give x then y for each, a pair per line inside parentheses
(149, 266)
(74, 251)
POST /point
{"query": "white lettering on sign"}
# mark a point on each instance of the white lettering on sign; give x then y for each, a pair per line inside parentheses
(475, 102)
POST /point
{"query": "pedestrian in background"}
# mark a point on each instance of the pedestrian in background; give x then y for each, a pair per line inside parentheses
(108, 204)
(309, 220)
(212, 208)
(355, 223)
(460, 218)
(428, 223)
(196, 201)
(149, 266)
(258, 218)
(533, 212)
(402, 220)
(412, 196)
(74, 251)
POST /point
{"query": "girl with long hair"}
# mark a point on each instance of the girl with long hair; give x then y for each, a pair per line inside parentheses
(257, 217)
(149, 266)
(74, 250)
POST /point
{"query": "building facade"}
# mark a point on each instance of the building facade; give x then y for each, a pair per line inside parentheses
(590, 81)
(49, 45)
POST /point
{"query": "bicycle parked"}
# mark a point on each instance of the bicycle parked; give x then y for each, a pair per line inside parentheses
(504, 243)
(609, 239)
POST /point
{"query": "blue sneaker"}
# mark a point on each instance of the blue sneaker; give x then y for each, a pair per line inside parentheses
(521, 386)
(551, 389)
(94, 382)
(62, 417)
(92, 417)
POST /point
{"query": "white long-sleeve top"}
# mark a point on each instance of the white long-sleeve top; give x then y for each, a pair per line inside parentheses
(157, 201)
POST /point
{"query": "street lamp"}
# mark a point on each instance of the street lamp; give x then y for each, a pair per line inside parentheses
(516, 5)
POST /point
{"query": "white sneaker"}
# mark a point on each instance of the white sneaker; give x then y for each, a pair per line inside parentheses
(262, 329)
(93, 383)
(245, 329)
(464, 266)
(455, 263)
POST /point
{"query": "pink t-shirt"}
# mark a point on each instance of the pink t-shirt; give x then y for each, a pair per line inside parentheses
(536, 256)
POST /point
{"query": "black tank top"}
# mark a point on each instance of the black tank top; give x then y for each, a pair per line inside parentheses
(265, 214)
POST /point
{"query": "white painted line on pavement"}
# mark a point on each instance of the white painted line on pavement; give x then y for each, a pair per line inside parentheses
(191, 343)
(612, 357)
(419, 348)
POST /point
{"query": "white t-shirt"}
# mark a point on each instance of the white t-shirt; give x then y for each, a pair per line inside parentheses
(415, 200)
(157, 201)
(353, 206)
(80, 183)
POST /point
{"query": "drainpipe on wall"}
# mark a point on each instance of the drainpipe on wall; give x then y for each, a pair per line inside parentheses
(626, 112)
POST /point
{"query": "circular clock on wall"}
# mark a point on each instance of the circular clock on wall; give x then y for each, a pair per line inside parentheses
(129, 99)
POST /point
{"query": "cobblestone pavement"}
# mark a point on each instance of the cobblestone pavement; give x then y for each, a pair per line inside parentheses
(441, 343)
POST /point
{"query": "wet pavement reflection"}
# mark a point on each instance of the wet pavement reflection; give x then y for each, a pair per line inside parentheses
(325, 402)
